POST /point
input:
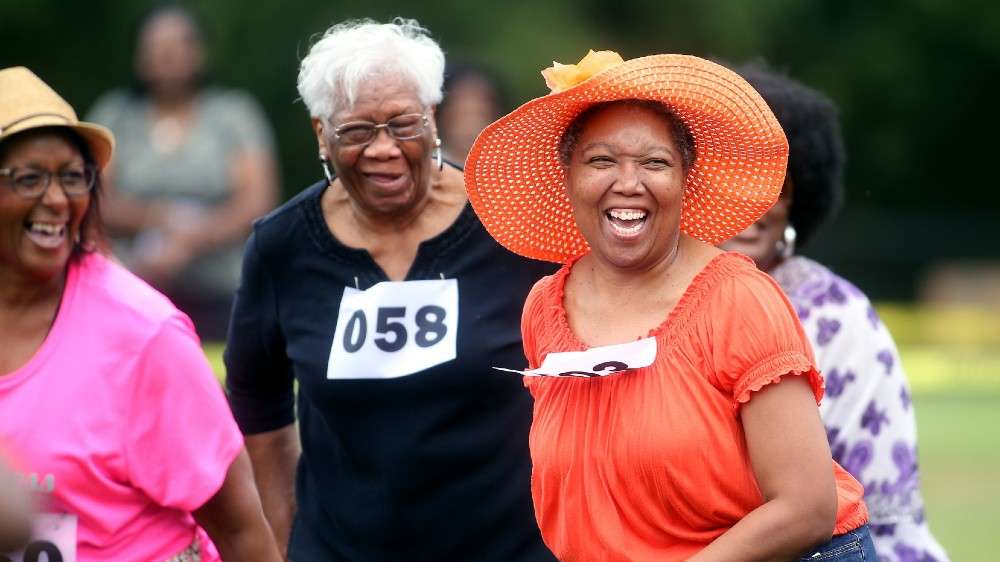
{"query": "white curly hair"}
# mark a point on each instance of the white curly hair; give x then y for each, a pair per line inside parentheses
(357, 50)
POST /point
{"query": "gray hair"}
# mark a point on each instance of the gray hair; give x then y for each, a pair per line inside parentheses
(356, 50)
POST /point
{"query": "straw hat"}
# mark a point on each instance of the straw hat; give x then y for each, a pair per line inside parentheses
(516, 181)
(28, 103)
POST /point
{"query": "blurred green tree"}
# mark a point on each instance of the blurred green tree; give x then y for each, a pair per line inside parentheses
(912, 79)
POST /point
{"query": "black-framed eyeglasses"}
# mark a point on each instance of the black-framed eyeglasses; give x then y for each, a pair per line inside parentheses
(401, 127)
(31, 183)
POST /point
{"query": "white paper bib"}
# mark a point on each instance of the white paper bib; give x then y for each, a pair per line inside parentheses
(54, 540)
(596, 361)
(394, 329)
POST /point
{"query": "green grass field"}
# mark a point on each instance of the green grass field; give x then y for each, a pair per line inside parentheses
(959, 433)
(952, 358)
(957, 396)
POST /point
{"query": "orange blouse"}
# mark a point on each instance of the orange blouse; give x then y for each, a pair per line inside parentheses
(652, 464)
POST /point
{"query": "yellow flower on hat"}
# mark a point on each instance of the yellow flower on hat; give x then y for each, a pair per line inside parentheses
(561, 77)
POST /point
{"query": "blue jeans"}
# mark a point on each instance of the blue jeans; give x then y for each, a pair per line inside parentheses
(852, 546)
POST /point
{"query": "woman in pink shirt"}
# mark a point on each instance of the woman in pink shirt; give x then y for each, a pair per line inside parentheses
(107, 404)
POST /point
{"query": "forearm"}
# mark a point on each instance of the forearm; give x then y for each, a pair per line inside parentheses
(248, 545)
(275, 455)
(863, 368)
(778, 530)
(234, 520)
(794, 473)
(126, 216)
(225, 225)
(253, 176)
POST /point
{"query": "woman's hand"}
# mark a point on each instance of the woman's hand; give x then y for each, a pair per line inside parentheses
(794, 470)
(275, 454)
(15, 513)
(234, 519)
(165, 261)
(183, 231)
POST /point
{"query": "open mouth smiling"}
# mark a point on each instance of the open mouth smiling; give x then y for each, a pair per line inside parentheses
(45, 234)
(626, 223)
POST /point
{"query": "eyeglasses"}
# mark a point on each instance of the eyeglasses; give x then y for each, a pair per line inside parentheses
(401, 127)
(32, 184)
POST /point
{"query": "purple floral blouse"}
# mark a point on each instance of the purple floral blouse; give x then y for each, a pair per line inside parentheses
(867, 408)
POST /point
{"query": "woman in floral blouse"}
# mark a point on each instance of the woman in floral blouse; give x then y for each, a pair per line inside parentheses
(867, 411)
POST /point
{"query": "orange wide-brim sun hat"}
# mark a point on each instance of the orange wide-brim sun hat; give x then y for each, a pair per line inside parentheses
(516, 181)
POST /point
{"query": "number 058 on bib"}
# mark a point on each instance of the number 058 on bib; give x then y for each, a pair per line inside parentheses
(394, 329)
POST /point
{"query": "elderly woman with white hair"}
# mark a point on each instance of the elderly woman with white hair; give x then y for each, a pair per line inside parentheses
(379, 292)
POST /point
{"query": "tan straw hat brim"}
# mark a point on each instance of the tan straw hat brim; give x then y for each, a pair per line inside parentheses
(516, 181)
(99, 139)
(26, 102)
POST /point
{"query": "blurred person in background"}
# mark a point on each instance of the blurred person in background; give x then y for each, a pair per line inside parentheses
(195, 166)
(868, 411)
(105, 395)
(473, 98)
(379, 292)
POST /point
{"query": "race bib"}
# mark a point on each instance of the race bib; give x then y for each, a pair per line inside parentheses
(596, 361)
(394, 329)
(54, 540)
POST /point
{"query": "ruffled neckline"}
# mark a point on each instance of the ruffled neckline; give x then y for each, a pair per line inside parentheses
(690, 302)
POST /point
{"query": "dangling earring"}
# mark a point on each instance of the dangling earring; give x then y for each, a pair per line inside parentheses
(787, 244)
(326, 168)
(437, 153)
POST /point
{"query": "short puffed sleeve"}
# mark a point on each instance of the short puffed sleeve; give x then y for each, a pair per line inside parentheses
(754, 337)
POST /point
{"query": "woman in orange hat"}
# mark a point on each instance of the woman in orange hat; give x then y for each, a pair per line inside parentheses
(675, 392)
(108, 408)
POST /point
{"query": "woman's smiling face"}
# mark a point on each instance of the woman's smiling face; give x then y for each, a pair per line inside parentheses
(37, 235)
(385, 176)
(625, 181)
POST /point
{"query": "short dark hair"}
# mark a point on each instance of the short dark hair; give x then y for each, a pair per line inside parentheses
(678, 129)
(815, 146)
(91, 229)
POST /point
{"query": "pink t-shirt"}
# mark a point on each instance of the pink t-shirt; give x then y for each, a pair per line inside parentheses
(119, 419)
